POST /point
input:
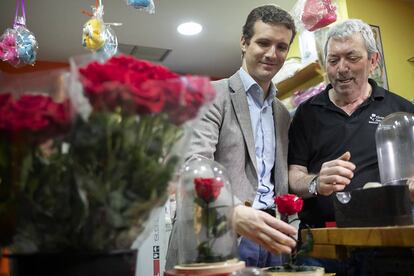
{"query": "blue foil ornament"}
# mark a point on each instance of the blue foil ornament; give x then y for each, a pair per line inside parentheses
(139, 3)
(19, 45)
(26, 45)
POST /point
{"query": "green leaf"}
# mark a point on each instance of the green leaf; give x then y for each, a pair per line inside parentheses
(25, 168)
(221, 227)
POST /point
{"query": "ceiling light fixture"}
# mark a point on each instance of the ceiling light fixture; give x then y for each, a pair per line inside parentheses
(189, 28)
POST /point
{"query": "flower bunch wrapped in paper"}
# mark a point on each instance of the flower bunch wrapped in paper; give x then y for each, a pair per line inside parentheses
(93, 188)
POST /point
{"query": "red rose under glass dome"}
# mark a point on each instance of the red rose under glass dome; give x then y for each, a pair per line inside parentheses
(204, 208)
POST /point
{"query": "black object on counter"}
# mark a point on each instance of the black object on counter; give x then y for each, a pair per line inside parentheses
(381, 206)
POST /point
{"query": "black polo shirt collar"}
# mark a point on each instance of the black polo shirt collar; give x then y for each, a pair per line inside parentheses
(322, 99)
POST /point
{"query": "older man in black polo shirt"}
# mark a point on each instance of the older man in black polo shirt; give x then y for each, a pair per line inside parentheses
(332, 135)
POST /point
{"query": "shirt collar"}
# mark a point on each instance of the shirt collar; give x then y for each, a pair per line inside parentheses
(250, 86)
(377, 91)
(323, 98)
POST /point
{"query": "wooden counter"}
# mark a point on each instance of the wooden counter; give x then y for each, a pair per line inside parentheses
(334, 243)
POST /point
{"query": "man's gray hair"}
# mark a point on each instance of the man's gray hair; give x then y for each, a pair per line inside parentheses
(348, 28)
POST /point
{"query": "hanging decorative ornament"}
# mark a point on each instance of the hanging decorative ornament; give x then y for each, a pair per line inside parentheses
(318, 14)
(18, 46)
(93, 30)
(144, 5)
(97, 35)
(110, 46)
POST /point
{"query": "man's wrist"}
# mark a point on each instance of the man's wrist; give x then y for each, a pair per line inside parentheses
(314, 185)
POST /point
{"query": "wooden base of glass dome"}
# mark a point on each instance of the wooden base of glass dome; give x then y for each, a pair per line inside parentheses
(210, 269)
(302, 270)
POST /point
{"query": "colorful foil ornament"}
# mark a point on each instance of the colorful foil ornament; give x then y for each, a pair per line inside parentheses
(8, 50)
(110, 46)
(139, 3)
(18, 46)
(97, 35)
(143, 5)
(93, 34)
(318, 14)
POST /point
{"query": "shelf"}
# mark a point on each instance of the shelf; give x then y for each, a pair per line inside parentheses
(306, 77)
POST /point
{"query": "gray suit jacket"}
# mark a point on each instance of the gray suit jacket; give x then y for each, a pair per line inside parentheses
(224, 133)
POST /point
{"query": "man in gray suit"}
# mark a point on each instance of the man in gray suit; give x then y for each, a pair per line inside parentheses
(245, 130)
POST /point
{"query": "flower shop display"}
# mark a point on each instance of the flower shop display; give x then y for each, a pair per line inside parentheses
(18, 45)
(207, 242)
(84, 180)
(289, 205)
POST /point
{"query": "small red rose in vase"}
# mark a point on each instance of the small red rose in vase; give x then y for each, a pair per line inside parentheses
(288, 205)
(207, 191)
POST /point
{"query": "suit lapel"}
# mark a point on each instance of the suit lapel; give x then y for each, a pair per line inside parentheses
(239, 100)
(279, 188)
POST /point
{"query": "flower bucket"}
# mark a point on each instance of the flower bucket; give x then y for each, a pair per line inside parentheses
(70, 264)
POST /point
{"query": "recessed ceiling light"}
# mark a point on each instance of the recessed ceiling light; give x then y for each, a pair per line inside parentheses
(189, 28)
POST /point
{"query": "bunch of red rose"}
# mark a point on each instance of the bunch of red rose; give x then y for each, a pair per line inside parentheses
(33, 113)
(142, 87)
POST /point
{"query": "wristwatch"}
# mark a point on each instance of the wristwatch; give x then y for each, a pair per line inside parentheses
(313, 186)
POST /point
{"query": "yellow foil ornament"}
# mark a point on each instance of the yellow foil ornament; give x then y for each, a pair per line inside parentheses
(93, 34)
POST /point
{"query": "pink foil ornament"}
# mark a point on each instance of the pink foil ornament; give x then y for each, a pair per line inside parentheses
(318, 14)
(8, 51)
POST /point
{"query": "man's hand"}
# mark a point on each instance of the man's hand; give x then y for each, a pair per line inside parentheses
(336, 174)
(263, 229)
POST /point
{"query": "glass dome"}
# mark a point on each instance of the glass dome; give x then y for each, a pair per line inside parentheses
(395, 148)
(204, 209)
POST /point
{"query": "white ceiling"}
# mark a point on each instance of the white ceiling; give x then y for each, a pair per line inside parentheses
(57, 25)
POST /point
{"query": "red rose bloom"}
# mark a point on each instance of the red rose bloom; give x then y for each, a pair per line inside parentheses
(148, 98)
(288, 204)
(59, 113)
(29, 112)
(38, 114)
(125, 81)
(144, 88)
(185, 96)
(4, 100)
(208, 189)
